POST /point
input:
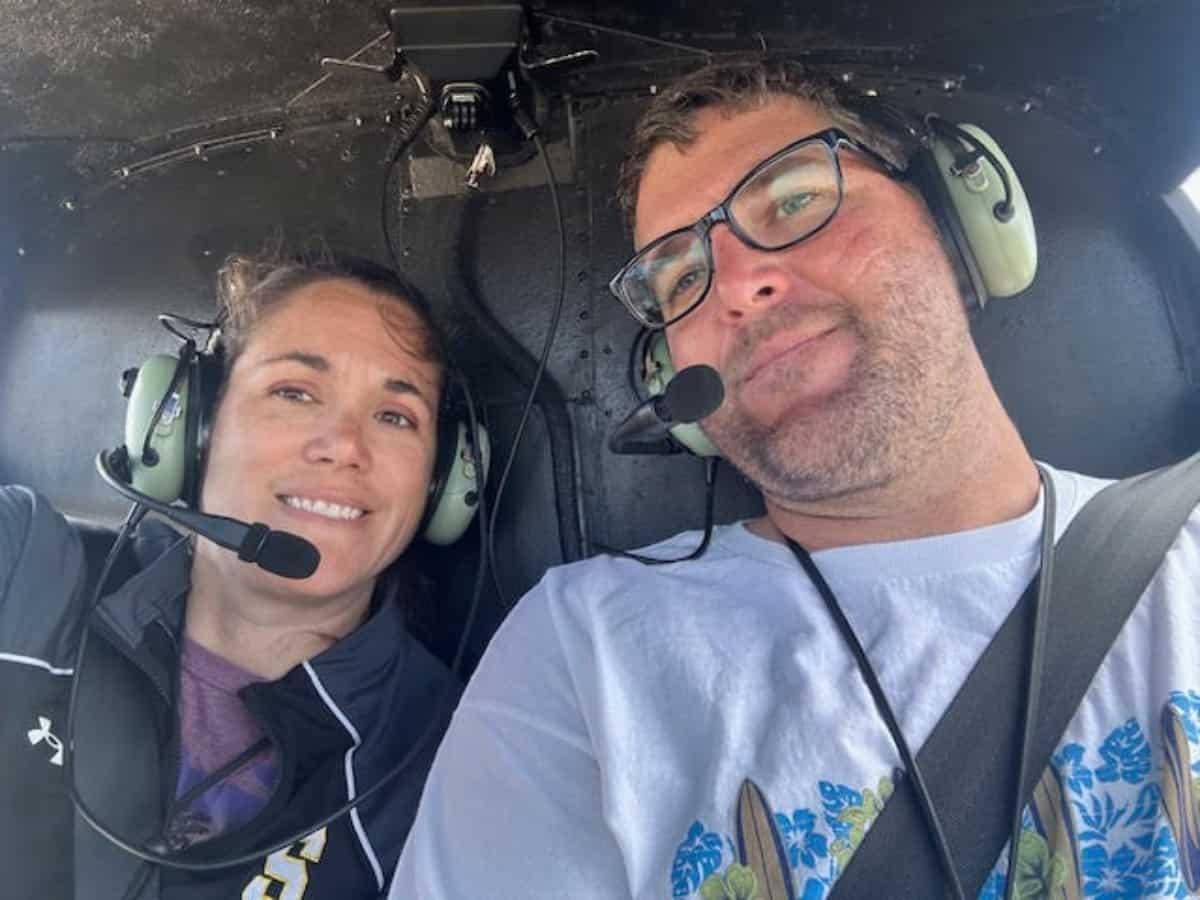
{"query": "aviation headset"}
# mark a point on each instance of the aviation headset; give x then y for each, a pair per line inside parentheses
(169, 419)
(980, 210)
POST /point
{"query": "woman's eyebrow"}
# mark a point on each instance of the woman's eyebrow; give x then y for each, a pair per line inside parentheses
(312, 360)
(400, 386)
(319, 363)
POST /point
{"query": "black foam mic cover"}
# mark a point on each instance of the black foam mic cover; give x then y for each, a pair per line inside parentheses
(694, 392)
(287, 555)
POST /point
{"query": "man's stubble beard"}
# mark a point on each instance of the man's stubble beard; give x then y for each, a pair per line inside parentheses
(902, 396)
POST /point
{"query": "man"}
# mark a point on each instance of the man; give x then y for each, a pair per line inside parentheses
(629, 723)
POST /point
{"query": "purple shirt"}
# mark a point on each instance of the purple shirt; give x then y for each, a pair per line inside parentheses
(215, 726)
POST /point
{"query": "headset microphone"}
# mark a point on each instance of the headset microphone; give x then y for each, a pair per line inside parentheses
(279, 552)
(694, 392)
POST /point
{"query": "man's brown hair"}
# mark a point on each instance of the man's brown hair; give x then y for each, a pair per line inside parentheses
(734, 87)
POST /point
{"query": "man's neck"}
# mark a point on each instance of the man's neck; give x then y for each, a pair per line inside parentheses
(980, 476)
(262, 632)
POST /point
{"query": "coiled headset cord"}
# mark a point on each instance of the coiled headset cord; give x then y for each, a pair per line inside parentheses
(1032, 691)
(711, 465)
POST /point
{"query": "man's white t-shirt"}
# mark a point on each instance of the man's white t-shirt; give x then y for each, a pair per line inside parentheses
(601, 747)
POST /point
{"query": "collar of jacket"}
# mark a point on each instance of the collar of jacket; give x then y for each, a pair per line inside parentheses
(357, 674)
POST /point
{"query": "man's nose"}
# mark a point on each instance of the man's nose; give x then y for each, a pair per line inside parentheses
(745, 280)
(339, 440)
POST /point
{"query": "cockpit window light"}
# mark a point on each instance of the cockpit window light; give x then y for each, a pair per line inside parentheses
(1184, 201)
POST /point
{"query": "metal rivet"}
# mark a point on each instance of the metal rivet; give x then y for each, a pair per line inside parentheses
(20, 251)
(653, 90)
(124, 171)
(358, 120)
(69, 204)
(347, 155)
(198, 149)
(206, 252)
(1027, 106)
(1097, 149)
(847, 77)
(871, 92)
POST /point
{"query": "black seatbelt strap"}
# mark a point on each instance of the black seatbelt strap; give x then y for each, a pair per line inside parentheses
(1103, 564)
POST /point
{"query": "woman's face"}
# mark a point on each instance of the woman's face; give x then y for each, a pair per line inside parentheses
(327, 429)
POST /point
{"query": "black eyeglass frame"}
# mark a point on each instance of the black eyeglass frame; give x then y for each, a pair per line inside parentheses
(831, 138)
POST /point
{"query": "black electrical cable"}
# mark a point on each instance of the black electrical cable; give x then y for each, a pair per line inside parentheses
(405, 135)
(637, 356)
(1003, 210)
(1033, 689)
(885, 710)
(1033, 685)
(552, 184)
(149, 455)
(711, 464)
(164, 859)
(625, 33)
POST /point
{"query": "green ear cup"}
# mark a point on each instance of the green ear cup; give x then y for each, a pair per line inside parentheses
(658, 372)
(1005, 251)
(457, 501)
(159, 472)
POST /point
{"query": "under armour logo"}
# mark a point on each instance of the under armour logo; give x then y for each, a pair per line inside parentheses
(42, 733)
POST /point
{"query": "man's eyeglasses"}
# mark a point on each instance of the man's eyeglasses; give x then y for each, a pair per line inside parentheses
(786, 198)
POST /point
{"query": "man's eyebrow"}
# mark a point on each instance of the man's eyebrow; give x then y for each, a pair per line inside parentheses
(794, 166)
(320, 364)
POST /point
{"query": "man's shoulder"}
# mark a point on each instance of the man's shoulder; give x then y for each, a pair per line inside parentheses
(591, 594)
(730, 545)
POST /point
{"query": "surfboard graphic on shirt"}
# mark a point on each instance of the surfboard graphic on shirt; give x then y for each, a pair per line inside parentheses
(1181, 795)
(1115, 815)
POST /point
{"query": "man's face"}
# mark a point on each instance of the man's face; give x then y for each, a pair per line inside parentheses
(844, 357)
(327, 429)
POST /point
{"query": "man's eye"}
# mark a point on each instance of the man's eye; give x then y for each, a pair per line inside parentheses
(295, 395)
(793, 203)
(399, 419)
(685, 282)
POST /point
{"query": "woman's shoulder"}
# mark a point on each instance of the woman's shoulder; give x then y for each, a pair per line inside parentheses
(32, 531)
(41, 570)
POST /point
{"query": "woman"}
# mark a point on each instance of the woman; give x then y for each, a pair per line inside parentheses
(222, 708)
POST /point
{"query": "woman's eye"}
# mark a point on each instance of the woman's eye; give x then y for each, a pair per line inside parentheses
(399, 419)
(295, 395)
